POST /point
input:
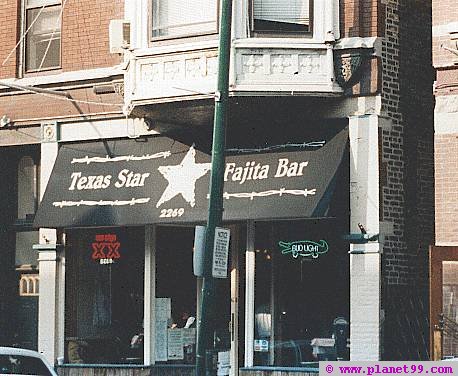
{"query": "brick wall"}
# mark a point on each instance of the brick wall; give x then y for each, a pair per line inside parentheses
(85, 41)
(446, 158)
(407, 161)
(26, 108)
(8, 36)
(443, 12)
(359, 18)
(85, 45)
(407, 145)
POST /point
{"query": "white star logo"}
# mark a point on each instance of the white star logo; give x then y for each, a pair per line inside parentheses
(182, 178)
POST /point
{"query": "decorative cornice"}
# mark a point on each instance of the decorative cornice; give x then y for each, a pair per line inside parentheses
(347, 66)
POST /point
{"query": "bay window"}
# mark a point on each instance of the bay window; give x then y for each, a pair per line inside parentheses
(282, 15)
(174, 18)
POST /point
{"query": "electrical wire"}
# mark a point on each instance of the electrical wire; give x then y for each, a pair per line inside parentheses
(52, 35)
(311, 144)
(56, 96)
(23, 36)
(50, 94)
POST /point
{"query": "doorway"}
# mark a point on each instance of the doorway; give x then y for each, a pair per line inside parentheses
(178, 291)
(443, 302)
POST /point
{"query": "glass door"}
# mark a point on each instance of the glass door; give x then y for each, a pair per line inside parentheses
(444, 304)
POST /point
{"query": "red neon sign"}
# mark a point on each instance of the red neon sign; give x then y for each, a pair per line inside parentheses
(106, 248)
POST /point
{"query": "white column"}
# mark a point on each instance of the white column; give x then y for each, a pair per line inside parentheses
(52, 274)
(365, 274)
(50, 329)
(150, 294)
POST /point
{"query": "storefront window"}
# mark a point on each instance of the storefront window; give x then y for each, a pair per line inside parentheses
(104, 295)
(301, 292)
(176, 296)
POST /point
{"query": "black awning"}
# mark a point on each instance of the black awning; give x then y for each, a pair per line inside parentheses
(157, 179)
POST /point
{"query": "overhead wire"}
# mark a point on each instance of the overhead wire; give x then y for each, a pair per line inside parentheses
(52, 35)
(51, 94)
(23, 36)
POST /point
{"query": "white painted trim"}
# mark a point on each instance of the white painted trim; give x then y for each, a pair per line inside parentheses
(96, 130)
(149, 296)
(50, 326)
(48, 305)
(249, 295)
(282, 43)
(446, 114)
(325, 20)
(364, 173)
(356, 106)
(365, 277)
(446, 123)
(365, 298)
(446, 244)
(444, 29)
(359, 42)
(365, 248)
(82, 75)
(40, 3)
(60, 324)
(446, 104)
(176, 48)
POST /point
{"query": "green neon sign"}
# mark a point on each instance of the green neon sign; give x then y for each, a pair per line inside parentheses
(304, 248)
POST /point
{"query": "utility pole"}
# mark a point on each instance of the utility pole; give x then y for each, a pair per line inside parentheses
(206, 324)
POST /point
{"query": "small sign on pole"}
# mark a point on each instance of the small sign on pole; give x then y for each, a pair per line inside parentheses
(220, 252)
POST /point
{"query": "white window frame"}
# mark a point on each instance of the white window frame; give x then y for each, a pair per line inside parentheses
(182, 35)
(273, 31)
(28, 5)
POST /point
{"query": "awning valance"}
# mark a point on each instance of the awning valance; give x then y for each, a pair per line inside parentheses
(159, 180)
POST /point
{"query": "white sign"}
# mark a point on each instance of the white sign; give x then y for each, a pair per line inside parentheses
(220, 252)
(163, 309)
(175, 344)
(224, 363)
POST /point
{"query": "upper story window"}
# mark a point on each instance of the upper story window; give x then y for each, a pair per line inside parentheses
(42, 46)
(290, 16)
(177, 18)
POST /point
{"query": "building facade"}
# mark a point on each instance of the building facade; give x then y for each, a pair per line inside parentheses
(444, 253)
(45, 44)
(328, 180)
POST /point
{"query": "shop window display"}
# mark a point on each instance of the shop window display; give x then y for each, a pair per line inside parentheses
(301, 292)
(104, 295)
